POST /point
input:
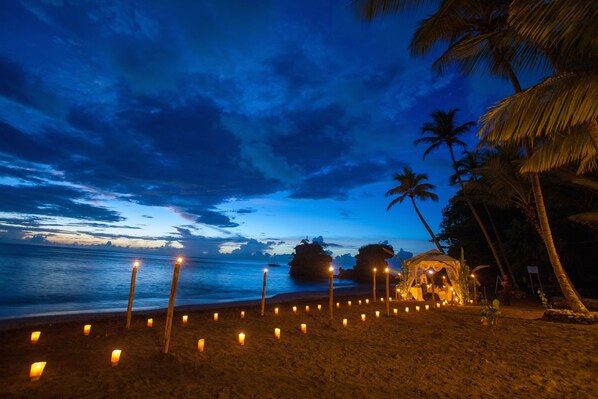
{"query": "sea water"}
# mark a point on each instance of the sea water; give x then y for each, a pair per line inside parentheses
(41, 280)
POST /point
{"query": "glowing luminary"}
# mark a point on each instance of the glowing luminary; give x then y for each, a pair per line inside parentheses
(304, 328)
(35, 336)
(185, 319)
(200, 344)
(338, 304)
(471, 301)
(437, 304)
(242, 314)
(276, 311)
(427, 307)
(367, 301)
(307, 308)
(36, 370)
(362, 317)
(150, 322)
(319, 307)
(344, 322)
(359, 302)
(86, 329)
(241, 339)
(294, 309)
(277, 333)
(407, 309)
(417, 308)
(349, 303)
(115, 358)
(377, 314)
(215, 316)
(395, 311)
(381, 299)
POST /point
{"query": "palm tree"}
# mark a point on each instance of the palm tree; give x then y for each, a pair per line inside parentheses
(412, 185)
(467, 169)
(502, 36)
(445, 132)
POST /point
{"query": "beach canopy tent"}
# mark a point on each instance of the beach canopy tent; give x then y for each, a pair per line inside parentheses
(419, 264)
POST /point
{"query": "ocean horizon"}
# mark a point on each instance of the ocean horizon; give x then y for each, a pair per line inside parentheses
(43, 280)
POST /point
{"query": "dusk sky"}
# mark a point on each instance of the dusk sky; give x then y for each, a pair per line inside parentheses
(217, 126)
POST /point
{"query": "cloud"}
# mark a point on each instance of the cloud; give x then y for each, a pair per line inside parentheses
(336, 182)
(215, 219)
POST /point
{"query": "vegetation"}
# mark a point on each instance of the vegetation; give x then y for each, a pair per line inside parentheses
(411, 185)
(310, 262)
(553, 124)
(369, 257)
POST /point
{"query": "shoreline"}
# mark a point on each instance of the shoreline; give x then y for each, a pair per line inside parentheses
(19, 322)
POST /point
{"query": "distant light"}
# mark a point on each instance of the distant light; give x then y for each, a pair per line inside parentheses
(374, 269)
(431, 271)
(136, 264)
(179, 260)
(265, 270)
(386, 270)
(331, 269)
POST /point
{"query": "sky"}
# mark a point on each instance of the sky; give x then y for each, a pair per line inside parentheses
(226, 128)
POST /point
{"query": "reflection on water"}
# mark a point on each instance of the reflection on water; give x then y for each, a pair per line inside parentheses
(39, 280)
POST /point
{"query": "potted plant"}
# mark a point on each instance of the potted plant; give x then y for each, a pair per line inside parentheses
(490, 312)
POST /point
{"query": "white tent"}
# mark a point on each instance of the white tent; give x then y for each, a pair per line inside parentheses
(436, 260)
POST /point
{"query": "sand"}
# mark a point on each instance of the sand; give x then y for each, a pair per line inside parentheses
(444, 353)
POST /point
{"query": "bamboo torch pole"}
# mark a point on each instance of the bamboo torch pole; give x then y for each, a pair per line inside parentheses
(374, 285)
(264, 292)
(387, 292)
(131, 293)
(331, 294)
(168, 329)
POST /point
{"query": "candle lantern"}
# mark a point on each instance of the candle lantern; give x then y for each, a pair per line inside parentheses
(86, 329)
(367, 301)
(362, 317)
(241, 339)
(304, 328)
(35, 336)
(427, 307)
(344, 322)
(215, 316)
(115, 358)
(319, 307)
(381, 299)
(349, 303)
(395, 311)
(377, 313)
(338, 304)
(36, 370)
(359, 302)
(407, 309)
(307, 308)
(294, 309)
(276, 311)
(437, 304)
(200, 344)
(150, 322)
(417, 308)
(185, 319)
(242, 314)
(277, 333)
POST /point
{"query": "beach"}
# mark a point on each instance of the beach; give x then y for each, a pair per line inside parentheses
(439, 353)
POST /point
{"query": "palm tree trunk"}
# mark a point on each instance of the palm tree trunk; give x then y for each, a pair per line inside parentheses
(426, 226)
(476, 216)
(571, 295)
(594, 133)
(501, 247)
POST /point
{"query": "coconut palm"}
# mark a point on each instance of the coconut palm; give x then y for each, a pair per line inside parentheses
(412, 186)
(443, 131)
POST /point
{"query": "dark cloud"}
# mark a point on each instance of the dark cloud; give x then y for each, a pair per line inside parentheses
(214, 218)
(13, 81)
(53, 200)
(336, 182)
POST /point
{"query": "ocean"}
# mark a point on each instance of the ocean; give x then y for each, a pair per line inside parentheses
(39, 280)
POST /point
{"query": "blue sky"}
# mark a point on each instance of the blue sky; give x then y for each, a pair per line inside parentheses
(217, 127)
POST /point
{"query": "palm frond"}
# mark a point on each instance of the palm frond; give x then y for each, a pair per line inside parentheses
(588, 218)
(552, 106)
(372, 8)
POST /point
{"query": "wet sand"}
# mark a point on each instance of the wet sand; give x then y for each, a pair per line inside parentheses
(443, 353)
